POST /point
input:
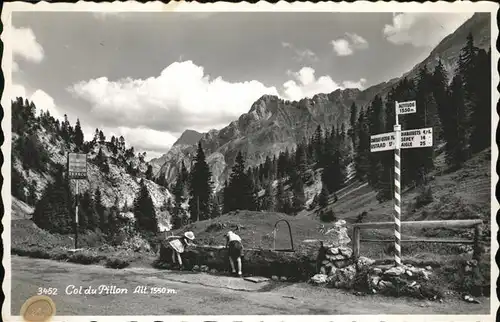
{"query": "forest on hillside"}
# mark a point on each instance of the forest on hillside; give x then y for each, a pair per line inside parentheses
(40, 141)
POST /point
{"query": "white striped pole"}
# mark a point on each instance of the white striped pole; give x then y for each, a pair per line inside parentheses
(397, 191)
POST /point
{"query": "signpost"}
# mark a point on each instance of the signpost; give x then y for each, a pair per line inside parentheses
(77, 170)
(397, 140)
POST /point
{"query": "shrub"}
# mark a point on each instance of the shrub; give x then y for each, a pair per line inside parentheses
(424, 197)
(116, 263)
(328, 216)
(85, 258)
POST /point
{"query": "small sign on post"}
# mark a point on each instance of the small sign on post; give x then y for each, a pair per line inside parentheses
(406, 107)
(77, 166)
(77, 170)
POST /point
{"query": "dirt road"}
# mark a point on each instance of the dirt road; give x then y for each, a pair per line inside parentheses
(200, 294)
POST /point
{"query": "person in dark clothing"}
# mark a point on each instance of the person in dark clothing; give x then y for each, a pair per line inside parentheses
(235, 249)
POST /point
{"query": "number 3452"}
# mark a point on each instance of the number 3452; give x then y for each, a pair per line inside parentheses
(47, 291)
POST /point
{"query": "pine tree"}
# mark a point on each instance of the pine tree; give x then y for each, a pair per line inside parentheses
(144, 211)
(353, 118)
(79, 138)
(54, 212)
(240, 192)
(299, 198)
(149, 172)
(376, 126)
(440, 94)
(456, 146)
(362, 154)
(100, 210)
(87, 215)
(300, 161)
(268, 199)
(200, 187)
(323, 197)
(481, 114)
(318, 145)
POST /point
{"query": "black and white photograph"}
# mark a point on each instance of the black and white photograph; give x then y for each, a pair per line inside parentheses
(299, 159)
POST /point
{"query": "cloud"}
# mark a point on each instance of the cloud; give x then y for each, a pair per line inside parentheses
(358, 84)
(342, 47)
(181, 97)
(142, 139)
(347, 45)
(42, 100)
(357, 41)
(25, 46)
(423, 29)
(304, 84)
(300, 54)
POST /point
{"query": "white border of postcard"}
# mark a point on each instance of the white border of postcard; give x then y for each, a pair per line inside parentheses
(130, 6)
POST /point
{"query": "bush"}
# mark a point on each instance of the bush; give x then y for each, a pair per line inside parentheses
(85, 258)
(116, 263)
(424, 197)
(328, 216)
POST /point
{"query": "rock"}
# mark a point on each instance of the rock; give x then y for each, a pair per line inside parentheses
(340, 223)
(344, 277)
(376, 270)
(384, 285)
(333, 251)
(333, 271)
(409, 273)
(283, 279)
(429, 268)
(213, 271)
(341, 264)
(319, 279)
(364, 262)
(395, 271)
(425, 275)
(325, 262)
(337, 236)
(204, 268)
(374, 280)
(346, 251)
(322, 270)
(196, 268)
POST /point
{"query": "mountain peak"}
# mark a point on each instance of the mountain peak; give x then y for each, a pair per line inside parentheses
(188, 137)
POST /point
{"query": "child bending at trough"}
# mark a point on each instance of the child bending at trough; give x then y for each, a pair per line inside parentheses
(178, 244)
(235, 249)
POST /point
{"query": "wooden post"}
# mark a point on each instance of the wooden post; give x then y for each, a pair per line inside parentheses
(356, 242)
(477, 242)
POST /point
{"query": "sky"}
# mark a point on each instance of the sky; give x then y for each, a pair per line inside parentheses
(150, 76)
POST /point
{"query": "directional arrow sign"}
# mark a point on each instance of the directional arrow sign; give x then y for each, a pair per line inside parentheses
(419, 138)
(406, 107)
(383, 142)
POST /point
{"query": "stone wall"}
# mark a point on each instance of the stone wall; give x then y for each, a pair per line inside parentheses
(298, 265)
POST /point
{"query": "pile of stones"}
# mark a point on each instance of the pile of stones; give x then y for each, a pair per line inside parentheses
(335, 263)
(404, 280)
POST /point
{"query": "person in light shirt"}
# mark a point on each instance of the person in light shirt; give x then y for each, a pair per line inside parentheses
(178, 245)
(235, 251)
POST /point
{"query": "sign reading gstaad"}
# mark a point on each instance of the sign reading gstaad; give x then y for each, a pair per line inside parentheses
(77, 166)
(406, 107)
(383, 142)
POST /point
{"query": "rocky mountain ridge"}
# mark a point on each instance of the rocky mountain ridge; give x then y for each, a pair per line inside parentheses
(273, 125)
